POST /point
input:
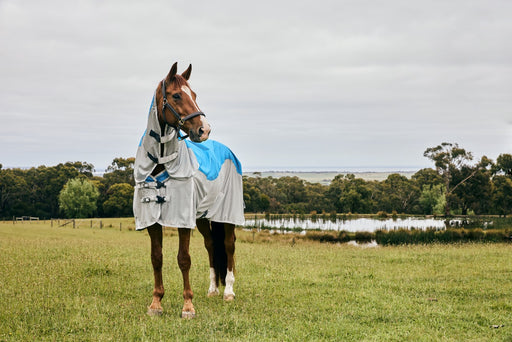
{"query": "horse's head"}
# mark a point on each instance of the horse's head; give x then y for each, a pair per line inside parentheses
(176, 104)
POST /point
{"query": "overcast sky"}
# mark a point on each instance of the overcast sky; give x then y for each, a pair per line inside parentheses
(285, 84)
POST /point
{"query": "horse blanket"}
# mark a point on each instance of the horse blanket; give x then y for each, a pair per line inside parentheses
(200, 180)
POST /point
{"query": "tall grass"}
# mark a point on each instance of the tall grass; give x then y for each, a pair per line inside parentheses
(65, 284)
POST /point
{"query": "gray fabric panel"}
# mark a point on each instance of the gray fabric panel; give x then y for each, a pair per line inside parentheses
(188, 194)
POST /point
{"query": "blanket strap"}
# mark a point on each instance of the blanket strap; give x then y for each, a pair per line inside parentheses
(161, 139)
(163, 160)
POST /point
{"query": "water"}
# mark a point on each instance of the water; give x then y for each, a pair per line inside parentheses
(354, 225)
(339, 169)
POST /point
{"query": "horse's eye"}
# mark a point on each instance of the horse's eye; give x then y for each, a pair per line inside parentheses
(176, 96)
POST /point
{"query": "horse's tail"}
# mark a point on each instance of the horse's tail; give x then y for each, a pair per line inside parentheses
(220, 258)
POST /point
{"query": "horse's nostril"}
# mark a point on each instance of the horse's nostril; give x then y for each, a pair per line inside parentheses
(201, 131)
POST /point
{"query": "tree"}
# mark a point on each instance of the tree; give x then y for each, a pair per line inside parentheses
(432, 199)
(504, 164)
(120, 200)
(84, 168)
(120, 171)
(428, 177)
(78, 198)
(350, 194)
(13, 193)
(255, 200)
(398, 193)
(474, 190)
(502, 195)
(449, 158)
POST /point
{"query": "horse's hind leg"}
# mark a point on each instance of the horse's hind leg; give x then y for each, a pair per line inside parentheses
(155, 233)
(203, 225)
(184, 263)
(229, 245)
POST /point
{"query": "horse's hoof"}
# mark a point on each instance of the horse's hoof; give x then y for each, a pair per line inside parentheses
(155, 312)
(188, 314)
(229, 297)
(213, 293)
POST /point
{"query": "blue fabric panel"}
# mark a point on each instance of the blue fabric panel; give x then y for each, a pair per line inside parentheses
(140, 142)
(162, 177)
(211, 155)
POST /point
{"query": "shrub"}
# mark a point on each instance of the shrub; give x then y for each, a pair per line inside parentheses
(498, 235)
(476, 234)
(364, 237)
(323, 236)
(314, 216)
(344, 236)
(382, 214)
(333, 216)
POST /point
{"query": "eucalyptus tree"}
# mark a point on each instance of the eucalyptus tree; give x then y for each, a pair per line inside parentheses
(504, 164)
(351, 194)
(448, 159)
(120, 200)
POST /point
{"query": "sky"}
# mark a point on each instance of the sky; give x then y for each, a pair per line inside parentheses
(287, 85)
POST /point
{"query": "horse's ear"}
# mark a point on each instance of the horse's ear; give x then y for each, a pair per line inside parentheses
(172, 73)
(186, 73)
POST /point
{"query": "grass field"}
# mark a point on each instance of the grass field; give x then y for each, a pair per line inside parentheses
(65, 284)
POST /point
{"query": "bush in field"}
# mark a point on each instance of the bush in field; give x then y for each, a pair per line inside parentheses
(328, 236)
(343, 236)
(382, 214)
(498, 235)
(451, 235)
(78, 198)
(364, 237)
(322, 236)
(476, 234)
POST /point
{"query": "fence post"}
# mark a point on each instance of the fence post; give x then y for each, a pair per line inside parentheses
(73, 223)
(101, 224)
(120, 226)
(91, 223)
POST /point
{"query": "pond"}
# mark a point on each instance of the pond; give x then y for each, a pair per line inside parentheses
(352, 225)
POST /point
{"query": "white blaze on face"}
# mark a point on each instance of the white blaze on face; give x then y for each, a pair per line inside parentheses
(204, 123)
(187, 91)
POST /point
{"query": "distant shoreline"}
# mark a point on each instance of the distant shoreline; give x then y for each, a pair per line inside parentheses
(325, 177)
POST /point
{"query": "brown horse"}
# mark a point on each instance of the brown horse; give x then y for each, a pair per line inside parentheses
(166, 168)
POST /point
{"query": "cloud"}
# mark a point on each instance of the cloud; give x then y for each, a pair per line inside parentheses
(331, 83)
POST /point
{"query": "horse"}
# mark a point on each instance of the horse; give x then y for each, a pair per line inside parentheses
(186, 183)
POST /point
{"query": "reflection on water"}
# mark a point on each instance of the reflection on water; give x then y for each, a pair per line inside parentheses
(354, 225)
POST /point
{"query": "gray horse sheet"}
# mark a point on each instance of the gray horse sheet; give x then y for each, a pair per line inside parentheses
(200, 180)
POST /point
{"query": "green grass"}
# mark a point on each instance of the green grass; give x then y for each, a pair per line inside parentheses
(65, 284)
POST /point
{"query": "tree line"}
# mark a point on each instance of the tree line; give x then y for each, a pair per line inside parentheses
(67, 190)
(455, 185)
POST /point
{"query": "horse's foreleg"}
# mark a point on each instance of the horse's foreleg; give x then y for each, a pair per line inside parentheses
(203, 225)
(184, 263)
(155, 233)
(229, 245)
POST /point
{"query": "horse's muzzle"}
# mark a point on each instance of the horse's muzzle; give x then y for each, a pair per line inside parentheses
(202, 133)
